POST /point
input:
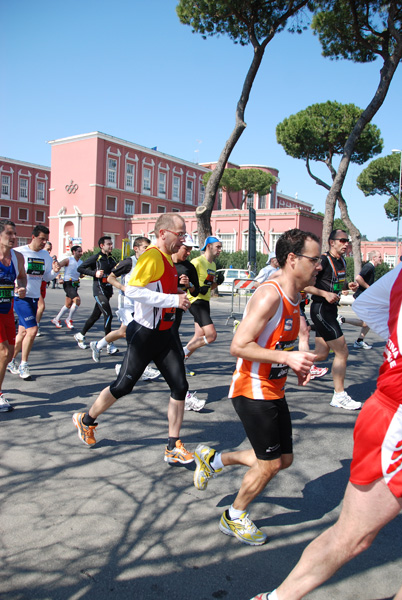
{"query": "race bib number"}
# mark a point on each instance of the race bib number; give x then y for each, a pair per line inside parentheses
(36, 266)
(6, 293)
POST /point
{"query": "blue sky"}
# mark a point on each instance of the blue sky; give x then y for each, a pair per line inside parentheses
(130, 69)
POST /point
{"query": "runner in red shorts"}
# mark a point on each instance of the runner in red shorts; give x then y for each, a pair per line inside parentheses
(373, 496)
(11, 269)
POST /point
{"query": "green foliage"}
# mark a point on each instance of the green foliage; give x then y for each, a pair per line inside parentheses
(339, 224)
(320, 132)
(251, 181)
(382, 177)
(116, 253)
(356, 30)
(387, 238)
(237, 260)
(380, 270)
(239, 19)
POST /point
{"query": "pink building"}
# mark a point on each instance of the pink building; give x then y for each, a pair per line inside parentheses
(24, 197)
(99, 184)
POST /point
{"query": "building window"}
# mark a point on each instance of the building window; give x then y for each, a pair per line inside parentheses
(189, 191)
(145, 208)
(146, 180)
(23, 214)
(161, 184)
(175, 209)
(40, 192)
(111, 204)
(161, 209)
(262, 201)
(128, 207)
(274, 238)
(5, 212)
(23, 241)
(176, 188)
(23, 189)
(40, 216)
(201, 195)
(112, 172)
(130, 176)
(228, 241)
(5, 186)
(389, 260)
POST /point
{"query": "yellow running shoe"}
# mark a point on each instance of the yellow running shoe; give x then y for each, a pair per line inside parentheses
(243, 528)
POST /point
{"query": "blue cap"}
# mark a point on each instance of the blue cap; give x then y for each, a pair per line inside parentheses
(210, 240)
(271, 255)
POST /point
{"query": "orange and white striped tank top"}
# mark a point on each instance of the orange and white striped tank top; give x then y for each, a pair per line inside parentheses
(266, 381)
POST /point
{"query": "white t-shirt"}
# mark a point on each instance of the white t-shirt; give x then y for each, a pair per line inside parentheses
(38, 266)
(372, 306)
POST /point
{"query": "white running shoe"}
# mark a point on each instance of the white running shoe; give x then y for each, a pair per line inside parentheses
(149, 374)
(343, 400)
(5, 406)
(317, 372)
(38, 333)
(69, 323)
(117, 368)
(13, 367)
(95, 351)
(57, 323)
(340, 319)
(80, 339)
(193, 403)
(362, 344)
(24, 371)
(112, 349)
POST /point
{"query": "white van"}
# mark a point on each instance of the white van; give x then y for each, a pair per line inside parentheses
(230, 275)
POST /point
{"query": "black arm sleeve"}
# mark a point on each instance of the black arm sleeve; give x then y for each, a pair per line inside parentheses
(88, 267)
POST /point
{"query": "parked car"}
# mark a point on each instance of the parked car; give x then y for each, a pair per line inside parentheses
(230, 276)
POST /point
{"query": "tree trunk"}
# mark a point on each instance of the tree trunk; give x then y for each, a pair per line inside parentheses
(386, 74)
(355, 235)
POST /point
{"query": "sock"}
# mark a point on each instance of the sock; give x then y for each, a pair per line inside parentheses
(63, 310)
(216, 462)
(273, 595)
(23, 362)
(359, 340)
(88, 420)
(171, 443)
(101, 344)
(186, 351)
(205, 340)
(234, 513)
(72, 311)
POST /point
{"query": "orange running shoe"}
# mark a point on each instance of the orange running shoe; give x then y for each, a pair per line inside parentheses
(85, 432)
(178, 455)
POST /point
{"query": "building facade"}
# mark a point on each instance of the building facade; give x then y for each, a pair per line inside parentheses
(24, 197)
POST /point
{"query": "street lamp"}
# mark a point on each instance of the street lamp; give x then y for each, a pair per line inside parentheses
(399, 206)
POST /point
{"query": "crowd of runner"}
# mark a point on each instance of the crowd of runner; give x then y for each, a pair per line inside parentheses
(156, 285)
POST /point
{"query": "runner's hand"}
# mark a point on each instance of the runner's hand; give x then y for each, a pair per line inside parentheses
(183, 302)
(300, 362)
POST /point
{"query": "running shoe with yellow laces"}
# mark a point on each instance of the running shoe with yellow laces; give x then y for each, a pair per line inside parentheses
(243, 528)
(203, 457)
(178, 454)
(86, 433)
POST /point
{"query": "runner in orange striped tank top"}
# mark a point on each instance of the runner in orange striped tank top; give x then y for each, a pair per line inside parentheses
(262, 344)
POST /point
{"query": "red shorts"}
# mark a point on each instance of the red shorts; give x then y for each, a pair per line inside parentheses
(43, 288)
(377, 449)
(7, 328)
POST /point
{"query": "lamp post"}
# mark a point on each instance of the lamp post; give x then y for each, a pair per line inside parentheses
(399, 206)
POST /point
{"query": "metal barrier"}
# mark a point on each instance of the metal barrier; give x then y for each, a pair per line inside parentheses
(243, 290)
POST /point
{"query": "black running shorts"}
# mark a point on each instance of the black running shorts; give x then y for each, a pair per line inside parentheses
(267, 424)
(70, 289)
(201, 313)
(324, 317)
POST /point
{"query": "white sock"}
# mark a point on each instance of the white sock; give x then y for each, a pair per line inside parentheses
(205, 340)
(273, 595)
(23, 362)
(63, 310)
(101, 344)
(216, 462)
(234, 513)
(72, 311)
(186, 351)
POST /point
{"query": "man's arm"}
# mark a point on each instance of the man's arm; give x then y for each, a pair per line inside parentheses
(21, 276)
(88, 267)
(260, 309)
(330, 297)
(122, 268)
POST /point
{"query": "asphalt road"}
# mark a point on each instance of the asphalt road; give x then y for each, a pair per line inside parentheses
(116, 521)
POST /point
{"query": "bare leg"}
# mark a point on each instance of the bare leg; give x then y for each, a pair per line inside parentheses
(340, 361)
(116, 335)
(6, 354)
(366, 510)
(27, 342)
(197, 341)
(175, 416)
(40, 309)
(102, 403)
(257, 476)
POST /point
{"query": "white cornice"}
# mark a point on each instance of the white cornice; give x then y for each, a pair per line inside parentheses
(23, 164)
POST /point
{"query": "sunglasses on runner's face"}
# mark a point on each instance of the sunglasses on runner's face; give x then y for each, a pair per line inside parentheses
(180, 234)
(314, 259)
(343, 240)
